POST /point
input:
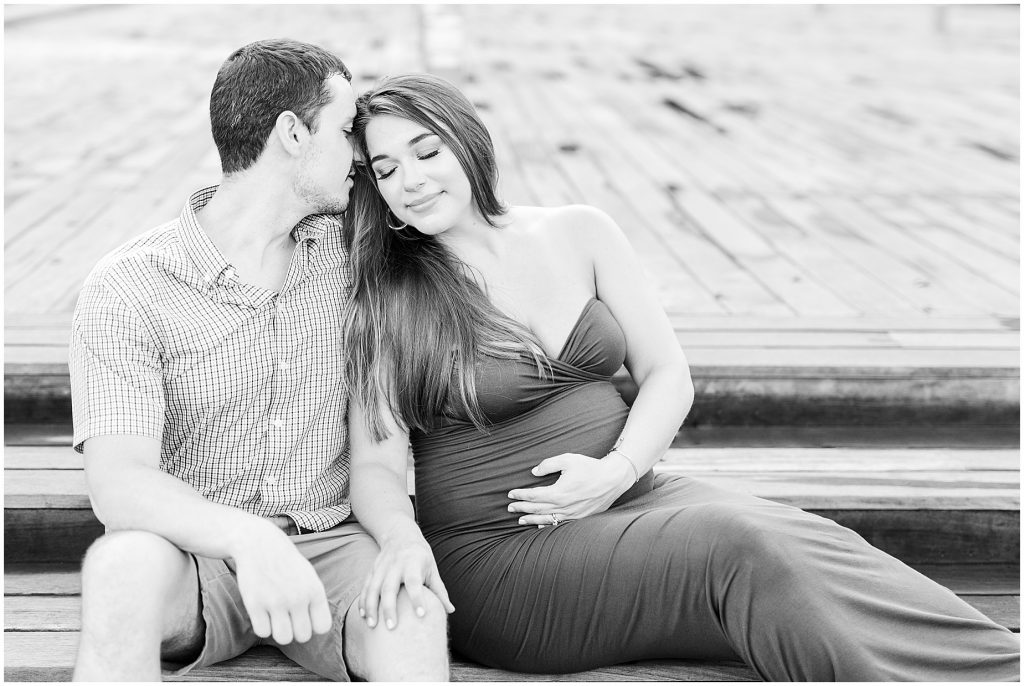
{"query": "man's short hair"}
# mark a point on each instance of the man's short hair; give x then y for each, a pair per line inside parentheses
(257, 83)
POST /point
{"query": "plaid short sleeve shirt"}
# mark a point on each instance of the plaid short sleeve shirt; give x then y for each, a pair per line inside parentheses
(244, 387)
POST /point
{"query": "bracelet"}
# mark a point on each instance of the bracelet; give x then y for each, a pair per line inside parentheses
(631, 464)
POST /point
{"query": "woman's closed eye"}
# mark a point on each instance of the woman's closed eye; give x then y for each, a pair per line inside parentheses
(385, 172)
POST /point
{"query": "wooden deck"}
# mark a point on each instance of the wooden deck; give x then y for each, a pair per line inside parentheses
(810, 188)
(952, 514)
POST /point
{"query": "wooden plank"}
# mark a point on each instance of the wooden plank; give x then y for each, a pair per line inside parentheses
(64, 579)
(849, 437)
(32, 329)
(53, 434)
(761, 437)
(927, 537)
(42, 579)
(49, 656)
(617, 195)
(967, 579)
(1000, 270)
(837, 487)
(733, 287)
(742, 460)
(47, 358)
(48, 535)
(59, 614)
(58, 489)
(950, 288)
(761, 460)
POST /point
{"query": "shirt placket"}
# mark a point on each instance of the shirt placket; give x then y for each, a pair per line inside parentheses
(283, 410)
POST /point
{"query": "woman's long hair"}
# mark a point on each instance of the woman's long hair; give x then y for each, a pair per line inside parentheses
(417, 320)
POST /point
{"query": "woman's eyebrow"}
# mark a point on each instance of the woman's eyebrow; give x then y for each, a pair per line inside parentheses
(412, 141)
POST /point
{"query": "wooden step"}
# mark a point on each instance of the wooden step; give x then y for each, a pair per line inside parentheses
(746, 371)
(715, 436)
(49, 656)
(921, 505)
(42, 620)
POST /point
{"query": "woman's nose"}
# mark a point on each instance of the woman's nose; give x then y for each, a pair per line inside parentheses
(413, 179)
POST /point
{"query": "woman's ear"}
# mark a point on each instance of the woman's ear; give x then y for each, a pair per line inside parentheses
(291, 132)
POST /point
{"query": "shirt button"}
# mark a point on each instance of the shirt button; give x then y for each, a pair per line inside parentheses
(270, 480)
(278, 423)
(283, 365)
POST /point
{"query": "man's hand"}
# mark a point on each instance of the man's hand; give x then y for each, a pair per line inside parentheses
(586, 486)
(280, 589)
(405, 560)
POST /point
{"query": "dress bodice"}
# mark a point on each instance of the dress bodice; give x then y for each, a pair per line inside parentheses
(463, 474)
(595, 349)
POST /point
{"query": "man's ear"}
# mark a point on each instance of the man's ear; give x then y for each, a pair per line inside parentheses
(291, 132)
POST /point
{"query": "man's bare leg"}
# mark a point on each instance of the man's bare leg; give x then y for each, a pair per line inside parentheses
(415, 650)
(140, 597)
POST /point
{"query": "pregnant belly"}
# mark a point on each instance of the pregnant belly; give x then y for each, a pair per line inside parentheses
(463, 476)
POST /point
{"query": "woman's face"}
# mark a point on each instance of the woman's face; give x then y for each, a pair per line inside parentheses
(418, 175)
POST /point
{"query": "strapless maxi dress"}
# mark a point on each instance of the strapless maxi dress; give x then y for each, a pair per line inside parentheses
(675, 568)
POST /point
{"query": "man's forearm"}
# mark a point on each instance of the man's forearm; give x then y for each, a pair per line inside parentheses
(129, 495)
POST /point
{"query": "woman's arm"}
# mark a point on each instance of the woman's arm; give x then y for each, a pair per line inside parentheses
(380, 501)
(654, 360)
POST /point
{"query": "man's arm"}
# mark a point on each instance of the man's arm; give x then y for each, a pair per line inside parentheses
(281, 592)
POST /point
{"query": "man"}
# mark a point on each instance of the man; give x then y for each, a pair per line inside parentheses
(206, 367)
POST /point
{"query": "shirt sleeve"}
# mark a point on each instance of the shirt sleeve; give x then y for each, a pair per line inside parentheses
(115, 366)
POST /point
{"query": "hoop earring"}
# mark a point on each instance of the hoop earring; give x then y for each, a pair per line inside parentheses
(387, 220)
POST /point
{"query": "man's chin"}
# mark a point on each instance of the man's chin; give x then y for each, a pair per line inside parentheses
(335, 207)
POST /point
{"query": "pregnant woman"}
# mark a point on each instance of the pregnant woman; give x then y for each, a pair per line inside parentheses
(488, 335)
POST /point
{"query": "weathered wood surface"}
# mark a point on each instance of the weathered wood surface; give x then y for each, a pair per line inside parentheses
(829, 478)
(922, 505)
(900, 437)
(49, 656)
(64, 579)
(41, 637)
(798, 199)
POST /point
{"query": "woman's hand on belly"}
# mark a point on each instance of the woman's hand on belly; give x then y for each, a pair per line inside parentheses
(586, 486)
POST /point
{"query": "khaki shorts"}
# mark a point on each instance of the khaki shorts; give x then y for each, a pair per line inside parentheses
(343, 557)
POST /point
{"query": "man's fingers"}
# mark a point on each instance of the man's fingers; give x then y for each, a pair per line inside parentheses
(302, 627)
(320, 615)
(281, 624)
(260, 623)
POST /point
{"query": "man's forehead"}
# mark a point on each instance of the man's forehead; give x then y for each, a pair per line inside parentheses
(343, 92)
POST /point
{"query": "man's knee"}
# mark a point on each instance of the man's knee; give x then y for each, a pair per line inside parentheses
(133, 558)
(416, 649)
(139, 578)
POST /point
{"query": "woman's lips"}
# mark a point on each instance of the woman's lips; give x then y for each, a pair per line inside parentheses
(423, 203)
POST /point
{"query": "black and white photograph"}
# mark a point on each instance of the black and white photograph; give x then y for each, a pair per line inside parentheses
(511, 342)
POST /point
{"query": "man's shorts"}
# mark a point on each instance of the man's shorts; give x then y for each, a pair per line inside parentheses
(342, 556)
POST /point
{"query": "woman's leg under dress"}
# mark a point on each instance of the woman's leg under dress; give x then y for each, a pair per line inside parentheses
(691, 571)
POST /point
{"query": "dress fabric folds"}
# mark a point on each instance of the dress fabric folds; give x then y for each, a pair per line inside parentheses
(676, 568)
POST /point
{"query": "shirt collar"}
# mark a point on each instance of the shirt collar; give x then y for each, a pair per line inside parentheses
(208, 257)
